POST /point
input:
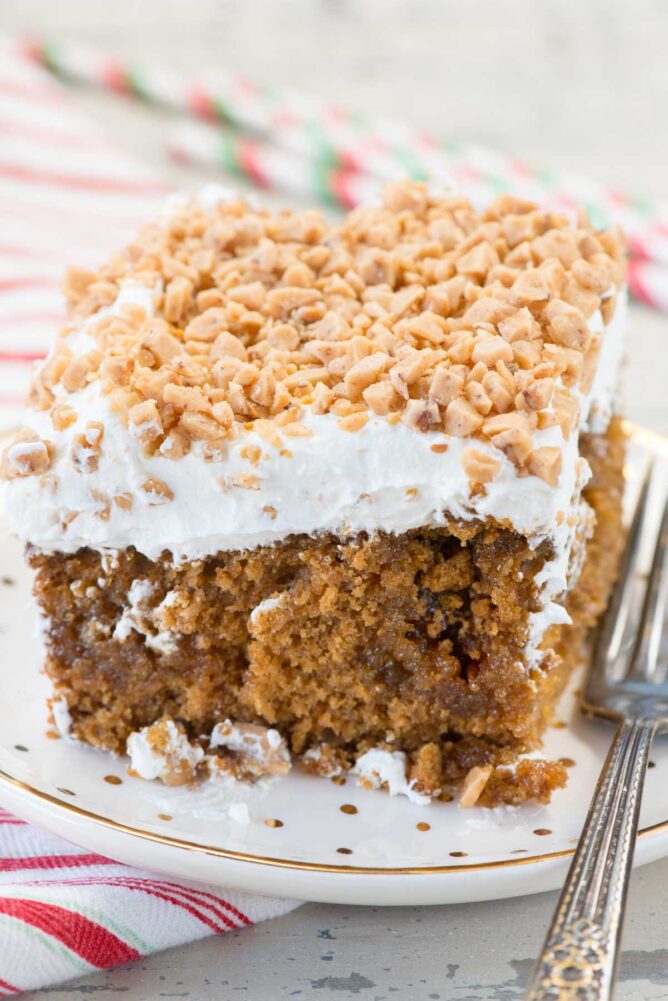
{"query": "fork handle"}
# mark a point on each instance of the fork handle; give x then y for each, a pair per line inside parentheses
(579, 958)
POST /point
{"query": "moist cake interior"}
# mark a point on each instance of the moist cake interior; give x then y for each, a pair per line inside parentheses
(412, 641)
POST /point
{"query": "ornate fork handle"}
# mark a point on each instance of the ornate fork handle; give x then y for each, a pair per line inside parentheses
(580, 953)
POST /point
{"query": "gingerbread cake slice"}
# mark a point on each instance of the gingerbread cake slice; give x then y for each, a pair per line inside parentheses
(344, 494)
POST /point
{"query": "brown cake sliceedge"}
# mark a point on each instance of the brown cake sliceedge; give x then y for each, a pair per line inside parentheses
(407, 643)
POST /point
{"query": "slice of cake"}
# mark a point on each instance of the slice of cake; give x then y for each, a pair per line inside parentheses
(345, 494)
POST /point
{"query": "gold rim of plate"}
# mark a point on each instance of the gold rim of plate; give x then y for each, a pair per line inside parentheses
(651, 440)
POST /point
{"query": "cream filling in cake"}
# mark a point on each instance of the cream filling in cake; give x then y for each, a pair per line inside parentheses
(384, 477)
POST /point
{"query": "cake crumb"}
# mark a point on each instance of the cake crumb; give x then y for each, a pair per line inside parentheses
(247, 751)
(324, 760)
(163, 751)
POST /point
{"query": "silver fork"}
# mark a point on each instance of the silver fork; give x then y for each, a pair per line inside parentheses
(627, 684)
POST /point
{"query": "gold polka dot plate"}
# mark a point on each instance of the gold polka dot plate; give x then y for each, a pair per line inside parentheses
(300, 837)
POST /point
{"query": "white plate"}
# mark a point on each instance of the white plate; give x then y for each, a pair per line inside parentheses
(377, 853)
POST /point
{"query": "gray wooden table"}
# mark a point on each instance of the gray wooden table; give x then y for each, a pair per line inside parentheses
(564, 84)
(469, 952)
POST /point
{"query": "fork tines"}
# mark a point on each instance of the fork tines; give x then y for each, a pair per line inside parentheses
(628, 665)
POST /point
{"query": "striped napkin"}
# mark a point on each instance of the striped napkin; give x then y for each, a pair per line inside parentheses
(65, 913)
(68, 195)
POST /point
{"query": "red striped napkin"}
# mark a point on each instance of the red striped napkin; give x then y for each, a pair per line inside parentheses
(68, 196)
(65, 913)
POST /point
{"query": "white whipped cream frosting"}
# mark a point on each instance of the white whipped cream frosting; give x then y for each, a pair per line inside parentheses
(387, 769)
(381, 478)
